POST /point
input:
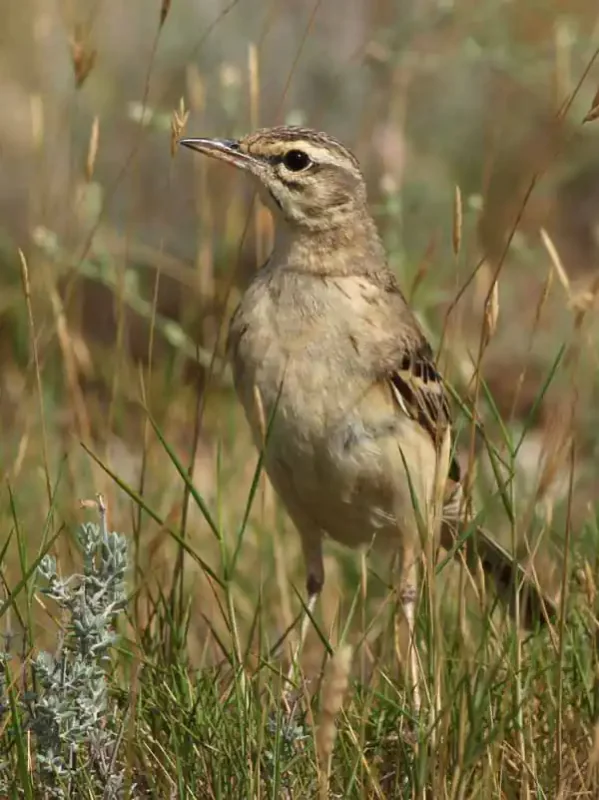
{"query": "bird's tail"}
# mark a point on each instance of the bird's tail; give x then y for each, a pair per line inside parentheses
(508, 573)
(511, 578)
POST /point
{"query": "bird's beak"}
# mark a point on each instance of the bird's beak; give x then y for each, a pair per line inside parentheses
(224, 149)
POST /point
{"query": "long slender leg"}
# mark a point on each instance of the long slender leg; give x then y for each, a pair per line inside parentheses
(411, 520)
(312, 549)
(408, 593)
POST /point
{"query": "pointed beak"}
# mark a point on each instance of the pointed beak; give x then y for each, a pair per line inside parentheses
(223, 149)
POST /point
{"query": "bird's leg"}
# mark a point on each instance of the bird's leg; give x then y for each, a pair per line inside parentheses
(313, 590)
(408, 593)
(312, 549)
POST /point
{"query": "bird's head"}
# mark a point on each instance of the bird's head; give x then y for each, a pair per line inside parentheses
(307, 178)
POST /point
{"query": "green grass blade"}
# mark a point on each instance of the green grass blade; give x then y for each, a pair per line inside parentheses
(155, 516)
(20, 739)
(183, 472)
(17, 589)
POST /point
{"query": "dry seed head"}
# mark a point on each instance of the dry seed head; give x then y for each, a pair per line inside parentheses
(483, 278)
(481, 583)
(555, 260)
(89, 504)
(563, 61)
(587, 581)
(165, 7)
(581, 303)
(178, 122)
(491, 312)
(92, 150)
(584, 300)
(593, 112)
(333, 692)
(24, 274)
(457, 221)
(82, 58)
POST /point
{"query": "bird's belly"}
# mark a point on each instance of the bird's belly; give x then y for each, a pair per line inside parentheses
(334, 474)
(351, 495)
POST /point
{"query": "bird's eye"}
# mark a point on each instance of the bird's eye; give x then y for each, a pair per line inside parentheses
(296, 160)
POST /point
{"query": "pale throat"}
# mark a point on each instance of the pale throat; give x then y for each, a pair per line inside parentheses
(339, 249)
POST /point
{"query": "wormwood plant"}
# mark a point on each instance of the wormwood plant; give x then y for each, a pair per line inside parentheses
(74, 734)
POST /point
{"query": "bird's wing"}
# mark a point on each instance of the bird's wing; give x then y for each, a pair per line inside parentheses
(405, 360)
(419, 391)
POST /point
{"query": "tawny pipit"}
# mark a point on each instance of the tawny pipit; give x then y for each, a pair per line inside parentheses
(324, 335)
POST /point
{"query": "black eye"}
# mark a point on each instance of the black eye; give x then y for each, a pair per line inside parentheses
(296, 160)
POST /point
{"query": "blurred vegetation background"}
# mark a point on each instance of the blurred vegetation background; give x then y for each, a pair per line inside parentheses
(121, 257)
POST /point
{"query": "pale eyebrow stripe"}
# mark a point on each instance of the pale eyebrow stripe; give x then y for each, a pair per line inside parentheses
(312, 150)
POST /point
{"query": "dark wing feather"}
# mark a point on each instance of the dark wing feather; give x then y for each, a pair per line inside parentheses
(420, 393)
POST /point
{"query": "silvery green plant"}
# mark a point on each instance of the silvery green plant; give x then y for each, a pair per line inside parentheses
(285, 738)
(70, 713)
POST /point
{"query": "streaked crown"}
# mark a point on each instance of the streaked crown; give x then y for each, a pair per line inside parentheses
(307, 177)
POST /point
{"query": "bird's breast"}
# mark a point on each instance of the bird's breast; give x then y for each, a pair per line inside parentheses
(291, 381)
(332, 431)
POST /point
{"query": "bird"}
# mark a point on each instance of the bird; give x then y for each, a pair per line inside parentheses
(325, 347)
